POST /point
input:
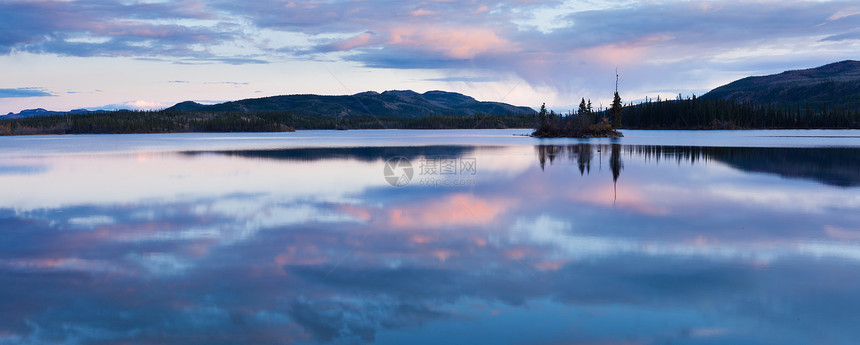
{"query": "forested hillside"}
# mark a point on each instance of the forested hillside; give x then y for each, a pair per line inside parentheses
(823, 97)
(709, 113)
(174, 121)
(407, 104)
(834, 86)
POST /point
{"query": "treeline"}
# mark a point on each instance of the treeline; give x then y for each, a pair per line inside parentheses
(711, 113)
(119, 122)
(125, 121)
(478, 121)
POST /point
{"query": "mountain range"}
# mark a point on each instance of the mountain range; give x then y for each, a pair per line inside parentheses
(395, 103)
(42, 112)
(836, 85)
(407, 103)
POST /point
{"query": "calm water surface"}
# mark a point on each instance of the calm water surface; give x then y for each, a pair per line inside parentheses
(662, 237)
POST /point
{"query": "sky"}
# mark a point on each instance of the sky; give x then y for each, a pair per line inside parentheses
(63, 55)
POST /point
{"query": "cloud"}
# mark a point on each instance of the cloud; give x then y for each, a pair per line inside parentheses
(465, 79)
(422, 12)
(556, 232)
(356, 322)
(133, 105)
(351, 43)
(107, 28)
(224, 60)
(563, 47)
(451, 42)
(91, 221)
(845, 13)
(223, 263)
(458, 209)
(22, 169)
(234, 83)
(24, 92)
(635, 38)
(847, 36)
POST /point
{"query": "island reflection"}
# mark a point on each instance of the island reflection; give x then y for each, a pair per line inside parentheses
(304, 246)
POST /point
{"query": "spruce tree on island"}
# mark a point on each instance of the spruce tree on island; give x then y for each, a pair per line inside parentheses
(617, 108)
(615, 112)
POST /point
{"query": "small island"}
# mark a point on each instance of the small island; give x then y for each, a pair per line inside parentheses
(585, 123)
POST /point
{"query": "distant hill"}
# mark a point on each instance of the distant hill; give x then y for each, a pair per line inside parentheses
(42, 112)
(836, 85)
(407, 104)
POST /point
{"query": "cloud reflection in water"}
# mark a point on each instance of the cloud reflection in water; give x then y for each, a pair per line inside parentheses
(552, 244)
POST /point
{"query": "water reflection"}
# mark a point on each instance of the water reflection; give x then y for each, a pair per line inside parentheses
(551, 245)
(364, 154)
(837, 166)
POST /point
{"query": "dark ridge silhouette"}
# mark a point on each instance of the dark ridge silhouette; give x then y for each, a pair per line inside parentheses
(407, 103)
(823, 97)
(836, 85)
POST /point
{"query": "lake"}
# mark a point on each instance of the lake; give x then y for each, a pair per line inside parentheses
(429, 237)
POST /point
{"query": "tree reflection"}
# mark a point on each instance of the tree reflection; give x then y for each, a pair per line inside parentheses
(616, 165)
(834, 166)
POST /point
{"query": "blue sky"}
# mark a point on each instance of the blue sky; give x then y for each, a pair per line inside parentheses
(63, 55)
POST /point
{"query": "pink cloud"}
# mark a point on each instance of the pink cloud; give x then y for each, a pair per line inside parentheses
(842, 233)
(451, 41)
(357, 212)
(517, 253)
(422, 12)
(843, 13)
(443, 254)
(357, 41)
(615, 55)
(552, 265)
(624, 196)
(458, 209)
(420, 239)
(194, 9)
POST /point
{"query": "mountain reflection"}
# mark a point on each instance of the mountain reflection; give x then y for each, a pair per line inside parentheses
(836, 166)
(364, 154)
